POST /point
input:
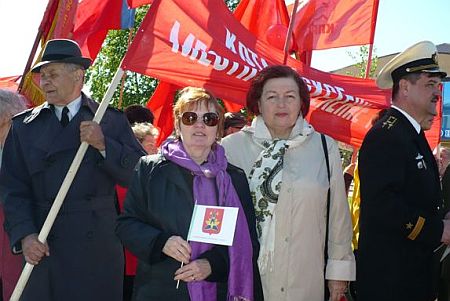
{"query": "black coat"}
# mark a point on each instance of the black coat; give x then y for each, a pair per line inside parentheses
(86, 258)
(400, 222)
(159, 204)
(444, 285)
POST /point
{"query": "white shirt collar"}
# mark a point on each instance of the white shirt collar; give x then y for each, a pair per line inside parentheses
(74, 106)
(414, 123)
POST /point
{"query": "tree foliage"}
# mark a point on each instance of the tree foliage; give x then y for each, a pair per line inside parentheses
(361, 57)
(136, 88)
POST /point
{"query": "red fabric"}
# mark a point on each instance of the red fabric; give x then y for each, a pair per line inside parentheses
(323, 24)
(130, 259)
(65, 16)
(341, 106)
(268, 21)
(161, 104)
(137, 3)
(433, 135)
(10, 265)
(9, 82)
(93, 20)
(48, 17)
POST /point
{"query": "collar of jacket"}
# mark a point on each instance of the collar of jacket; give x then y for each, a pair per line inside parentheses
(46, 107)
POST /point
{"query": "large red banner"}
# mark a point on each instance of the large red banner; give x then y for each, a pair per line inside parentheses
(204, 46)
(323, 24)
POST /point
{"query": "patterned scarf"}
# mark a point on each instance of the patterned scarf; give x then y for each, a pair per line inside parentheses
(210, 177)
(265, 180)
(265, 184)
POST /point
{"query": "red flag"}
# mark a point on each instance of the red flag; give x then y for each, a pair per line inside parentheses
(9, 82)
(161, 104)
(323, 24)
(267, 20)
(93, 20)
(185, 45)
(433, 135)
(57, 22)
(137, 3)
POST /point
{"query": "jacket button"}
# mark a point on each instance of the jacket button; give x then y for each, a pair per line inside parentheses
(90, 234)
(282, 289)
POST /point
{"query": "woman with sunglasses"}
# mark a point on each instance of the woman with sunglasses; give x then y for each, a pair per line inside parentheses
(191, 169)
(284, 160)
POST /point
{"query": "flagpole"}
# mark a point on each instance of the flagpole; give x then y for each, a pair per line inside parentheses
(372, 38)
(36, 43)
(130, 37)
(287, 42)
(43, 234)
(369, 61)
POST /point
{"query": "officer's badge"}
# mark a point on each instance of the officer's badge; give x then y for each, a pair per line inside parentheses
(389, 122)
(434, 57)
(420, 162)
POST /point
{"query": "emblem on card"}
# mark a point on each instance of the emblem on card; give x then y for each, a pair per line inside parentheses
(212, 221)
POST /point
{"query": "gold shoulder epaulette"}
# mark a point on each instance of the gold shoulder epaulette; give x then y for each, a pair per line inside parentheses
(415, 228)
(389, 122)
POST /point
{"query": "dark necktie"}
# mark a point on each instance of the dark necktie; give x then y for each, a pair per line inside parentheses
(65, 117)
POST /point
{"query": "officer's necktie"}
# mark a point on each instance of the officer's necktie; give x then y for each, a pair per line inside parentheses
(65, 116)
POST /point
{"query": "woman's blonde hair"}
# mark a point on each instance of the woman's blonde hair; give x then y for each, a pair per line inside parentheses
(142, 129)
(191, 98)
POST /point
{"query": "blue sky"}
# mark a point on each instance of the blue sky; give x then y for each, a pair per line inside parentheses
(400, 24)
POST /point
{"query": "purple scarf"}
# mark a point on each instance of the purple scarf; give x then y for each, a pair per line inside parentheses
(240, 278)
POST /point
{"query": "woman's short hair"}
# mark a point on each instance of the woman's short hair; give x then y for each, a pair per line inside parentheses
(276, 71)
(190, 98)
(142, 129)
(11, 103)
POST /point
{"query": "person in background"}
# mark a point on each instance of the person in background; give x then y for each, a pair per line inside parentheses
(402, 230)
(443, 160)
(283, 158)
(191, 169)
(11, 103)
(147, 135)
(234, 122)
(138, 113)
(82, 258)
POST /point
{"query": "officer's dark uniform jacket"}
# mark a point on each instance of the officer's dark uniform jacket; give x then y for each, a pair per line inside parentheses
(86, 258)
(400, 219)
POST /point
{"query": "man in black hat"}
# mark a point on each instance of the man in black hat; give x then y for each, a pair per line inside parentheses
(82, 258)
(402, 231)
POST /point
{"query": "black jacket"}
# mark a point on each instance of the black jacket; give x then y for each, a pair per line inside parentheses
(86, 258)
(159, 204)
(400, 219)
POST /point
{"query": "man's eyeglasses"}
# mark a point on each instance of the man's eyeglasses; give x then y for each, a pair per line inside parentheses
(209, 119)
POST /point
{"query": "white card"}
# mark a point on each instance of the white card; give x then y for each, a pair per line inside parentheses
(213, 224)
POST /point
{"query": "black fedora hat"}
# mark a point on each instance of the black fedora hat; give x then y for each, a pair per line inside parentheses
(62, 51)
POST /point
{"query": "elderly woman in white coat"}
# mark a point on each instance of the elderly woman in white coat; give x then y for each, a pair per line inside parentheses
(283, 158)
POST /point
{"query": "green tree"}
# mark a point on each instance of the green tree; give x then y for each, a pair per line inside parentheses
(137, 88)
(361, 57)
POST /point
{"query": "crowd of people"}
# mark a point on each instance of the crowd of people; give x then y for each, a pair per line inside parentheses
(122, 231)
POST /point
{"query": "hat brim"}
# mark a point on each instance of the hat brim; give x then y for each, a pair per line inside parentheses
(82, 61)
(424, 50)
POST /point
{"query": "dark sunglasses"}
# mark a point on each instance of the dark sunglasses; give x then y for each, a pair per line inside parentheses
(190, 118)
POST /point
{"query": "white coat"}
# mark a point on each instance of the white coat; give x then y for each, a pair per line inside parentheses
(298, 266)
